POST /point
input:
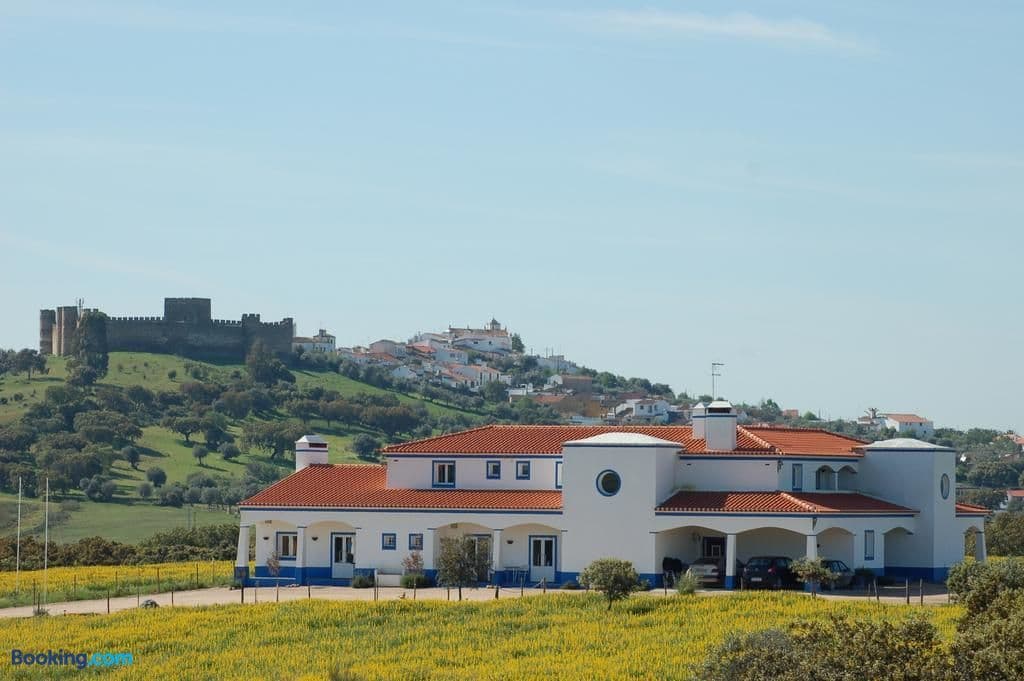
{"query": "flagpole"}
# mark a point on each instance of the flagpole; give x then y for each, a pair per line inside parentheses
(46, 541)
(17, 559)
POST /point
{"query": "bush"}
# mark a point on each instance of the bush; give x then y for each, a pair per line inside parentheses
(615, 578)
(812, 571)
(977, 585)
(229, 451)
(417, 580)
(1005, 534)
(687, 583)
(362, 582)
(571, 585)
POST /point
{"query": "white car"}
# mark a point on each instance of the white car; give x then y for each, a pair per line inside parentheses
(707, 570)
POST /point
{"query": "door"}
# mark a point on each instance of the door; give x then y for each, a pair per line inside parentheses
(483, 548)
(714, 547)
(542, 559)
(343, 556)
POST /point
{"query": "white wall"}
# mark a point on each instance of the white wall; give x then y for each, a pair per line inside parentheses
(727, 475)
(470, 472)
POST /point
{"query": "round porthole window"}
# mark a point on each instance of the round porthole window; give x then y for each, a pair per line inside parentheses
(944, 486)
(608, 483)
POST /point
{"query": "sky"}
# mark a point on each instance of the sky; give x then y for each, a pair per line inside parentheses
(824, 196)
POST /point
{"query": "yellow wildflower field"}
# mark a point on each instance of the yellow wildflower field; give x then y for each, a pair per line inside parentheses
(559, 636)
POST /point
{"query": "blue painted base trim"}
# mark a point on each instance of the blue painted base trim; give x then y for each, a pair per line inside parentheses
(241, 574)
(929, 574)
(730, 582)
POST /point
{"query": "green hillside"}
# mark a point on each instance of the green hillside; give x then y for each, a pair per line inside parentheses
(129, 517)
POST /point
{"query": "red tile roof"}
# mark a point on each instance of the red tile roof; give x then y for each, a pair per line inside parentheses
(971, 509)
(1015, 493)
(906, 418)
(364, 486)
(816, 503)
(500, 439)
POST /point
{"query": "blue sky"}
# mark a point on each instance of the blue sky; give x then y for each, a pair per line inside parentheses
(825, 196)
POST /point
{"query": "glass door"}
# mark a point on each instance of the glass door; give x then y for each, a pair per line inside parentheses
(343, 556)
(542, 559)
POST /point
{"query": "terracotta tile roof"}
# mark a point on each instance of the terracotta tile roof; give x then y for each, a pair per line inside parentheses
(364, 486)
(503, 439)
(971, 509)
(906, 418)
(1015, 493)
(811, 503)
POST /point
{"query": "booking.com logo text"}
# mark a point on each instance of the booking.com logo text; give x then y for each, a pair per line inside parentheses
(65, 658)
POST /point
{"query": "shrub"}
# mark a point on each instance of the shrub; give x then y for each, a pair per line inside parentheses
(229, 451)
(571, 585)
(362, 582)
(977, 585)
(420, 581)
(687, 583)
(145, 490)
(615, 578)
(812, 571)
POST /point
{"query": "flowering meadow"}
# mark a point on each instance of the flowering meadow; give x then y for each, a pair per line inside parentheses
(85, 582)
(559, 636)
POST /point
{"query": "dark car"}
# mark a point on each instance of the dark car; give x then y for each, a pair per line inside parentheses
(770, 572)
(843, 574)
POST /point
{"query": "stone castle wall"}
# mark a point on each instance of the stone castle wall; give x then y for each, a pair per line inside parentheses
(185, 329)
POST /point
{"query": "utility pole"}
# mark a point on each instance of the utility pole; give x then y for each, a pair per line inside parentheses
(715, 373)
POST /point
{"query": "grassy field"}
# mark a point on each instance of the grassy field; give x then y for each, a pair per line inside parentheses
(562, 636)
(84, 583)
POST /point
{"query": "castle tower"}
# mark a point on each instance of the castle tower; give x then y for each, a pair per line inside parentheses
(47, 319)
(64, 329)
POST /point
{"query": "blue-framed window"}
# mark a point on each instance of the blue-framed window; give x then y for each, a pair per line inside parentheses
(522, 470)
(493, 470)
(416, 541)
(444, 474)
(869, 544)
(388, 541)
(286, 544)
(798, 477)
(558, 475)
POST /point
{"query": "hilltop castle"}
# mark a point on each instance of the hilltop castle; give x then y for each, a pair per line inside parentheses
(186, 328)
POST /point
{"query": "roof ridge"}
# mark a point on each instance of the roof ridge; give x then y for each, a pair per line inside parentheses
(800, 502)
(802, 429)
(767, 445)
(438, 437)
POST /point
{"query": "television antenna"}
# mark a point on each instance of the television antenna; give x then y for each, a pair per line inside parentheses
(715, 373)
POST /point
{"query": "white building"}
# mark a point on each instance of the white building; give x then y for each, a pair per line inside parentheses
(321, 342)
(548, 500)
(909, 424)
(646, 410)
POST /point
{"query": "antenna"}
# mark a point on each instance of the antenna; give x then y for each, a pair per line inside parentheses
(715, 373)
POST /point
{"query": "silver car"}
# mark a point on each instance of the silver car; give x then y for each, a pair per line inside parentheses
(707, 570)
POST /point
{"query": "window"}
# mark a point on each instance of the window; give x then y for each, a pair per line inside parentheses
(798, 477)
(558, 475)
(444, 474)
(388, 541)
(869, 544)
(493, 470)
(522, 470)
(608, 483)
(944, 486)
(416, 542)
(287, 545)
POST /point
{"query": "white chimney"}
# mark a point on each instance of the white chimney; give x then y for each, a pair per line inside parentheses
(310, 450)
(697, 419)
(720, 426)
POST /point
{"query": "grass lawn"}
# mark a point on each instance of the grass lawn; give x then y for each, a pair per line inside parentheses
(562, 637)
(30, 391)
(124, 520)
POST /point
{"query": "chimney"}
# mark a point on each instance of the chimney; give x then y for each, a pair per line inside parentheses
(720, 426)
(310, 450)
(697, 418)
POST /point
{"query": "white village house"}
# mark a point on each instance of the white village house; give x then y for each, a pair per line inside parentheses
(545, 501)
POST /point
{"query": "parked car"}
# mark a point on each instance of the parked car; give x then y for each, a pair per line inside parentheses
(708, 570)
(770, 572)
(843, 573)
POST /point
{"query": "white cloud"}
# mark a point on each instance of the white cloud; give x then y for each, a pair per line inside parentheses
(737, 25)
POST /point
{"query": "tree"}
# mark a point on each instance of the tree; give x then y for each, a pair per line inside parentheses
(145, 490)
(303, 410)
(184, 426)
(193, 495)
(200, 452)
(996, 474)
(131, 455)
(813, 572)
(615, 578)
(156, 475)
(275, 437)
(494, 391)
(461, 561)
(28, 360)
(264, 368)
(211, 496)
(1005, 534)
(365, 446)
(517, 343)
(229, 451)
(89, 346)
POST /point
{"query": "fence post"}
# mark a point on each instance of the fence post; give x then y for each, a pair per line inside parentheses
(878, 598)
(172, 596)
(74, 588)
(496, 588)
(117, 584)
(920, 590)
(414, 580)
(243, 593)
(309, 592)
(108, 600)
(277, 591)
(158, 580)
(197, 575)
(138, 594)
(907, 586)
(544, 585)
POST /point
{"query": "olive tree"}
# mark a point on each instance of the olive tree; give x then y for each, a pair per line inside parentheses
(613, 577)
